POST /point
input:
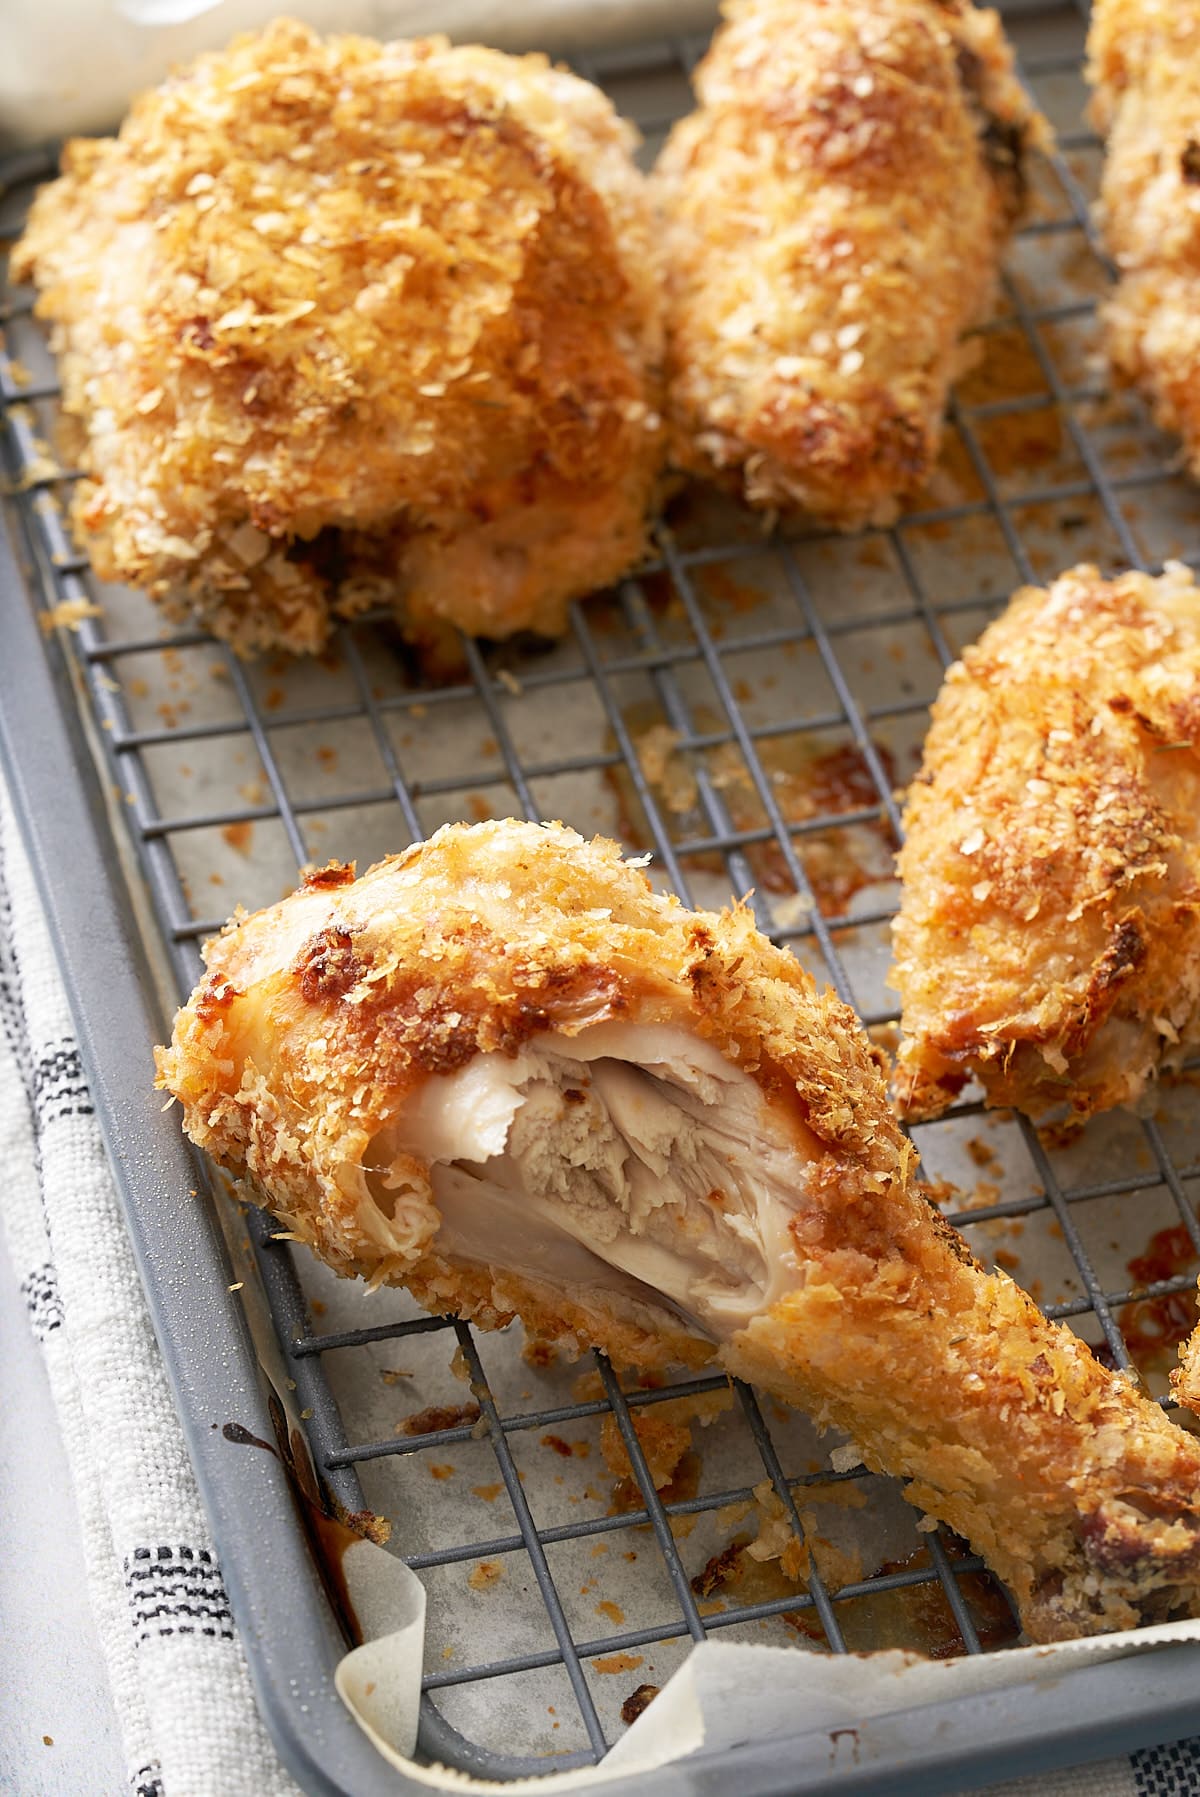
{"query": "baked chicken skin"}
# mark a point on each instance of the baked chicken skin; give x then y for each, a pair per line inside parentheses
(1144, 63)
(1048, 939)
(501, 1071)
(341, 323)
(835, 212)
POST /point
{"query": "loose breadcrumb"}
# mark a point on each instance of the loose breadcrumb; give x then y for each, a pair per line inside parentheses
(68, 614)
(485, 1574)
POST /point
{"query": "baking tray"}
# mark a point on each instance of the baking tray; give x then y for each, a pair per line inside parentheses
(746, 709)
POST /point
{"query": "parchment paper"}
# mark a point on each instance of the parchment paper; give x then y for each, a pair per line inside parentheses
(722, 1696)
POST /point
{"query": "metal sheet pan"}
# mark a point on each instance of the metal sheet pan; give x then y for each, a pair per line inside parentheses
(746, 708)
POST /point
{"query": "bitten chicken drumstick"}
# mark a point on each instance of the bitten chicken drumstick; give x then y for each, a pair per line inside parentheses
(1144, 62)
(835, 210)
(499, 1070)
(342, 323)
(1048, 941)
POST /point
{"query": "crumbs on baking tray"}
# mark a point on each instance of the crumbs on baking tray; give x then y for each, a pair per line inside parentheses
(68, 614)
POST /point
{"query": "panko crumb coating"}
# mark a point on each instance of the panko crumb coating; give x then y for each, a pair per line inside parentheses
(1144, 63)
(1048, 939)
(500, 1070)
(836, 211)
(342, 323)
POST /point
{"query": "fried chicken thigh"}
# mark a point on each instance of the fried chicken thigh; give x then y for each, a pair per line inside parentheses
(1048, 941)
(836, 209)
(501, 1071)
(1144, 62)
(342, 323)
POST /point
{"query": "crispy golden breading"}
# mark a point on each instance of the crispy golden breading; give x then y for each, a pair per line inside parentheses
(1185, 1378)
(342, 323)
(1144, 62)
(1048, 941)
(836, 211)
(499, 1070)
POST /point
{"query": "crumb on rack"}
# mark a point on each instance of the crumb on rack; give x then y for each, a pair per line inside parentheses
(618, 1662)
(578, 1450)
(486, 1574)
(637, 1701)
(68, 614)
(436, 1417)
(239, 835)
(664, 1432)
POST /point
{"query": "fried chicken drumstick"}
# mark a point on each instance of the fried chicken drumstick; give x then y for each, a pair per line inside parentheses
(1048, 940)
(836, 210)
(1144, 63)
(499, 1070)
(341, 323)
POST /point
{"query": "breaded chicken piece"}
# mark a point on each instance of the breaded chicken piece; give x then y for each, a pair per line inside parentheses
(341, 323)
(1048, 941)
(836, 211)
(1144, 62)
(501, 1071)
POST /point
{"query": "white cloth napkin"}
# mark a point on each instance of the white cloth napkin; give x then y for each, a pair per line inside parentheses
(179, 1681)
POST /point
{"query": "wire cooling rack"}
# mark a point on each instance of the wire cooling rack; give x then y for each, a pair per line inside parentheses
(746, 708)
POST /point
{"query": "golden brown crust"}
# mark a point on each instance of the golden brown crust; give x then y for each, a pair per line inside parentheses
(1078, 1492)
(836, 210)
(1048, 941)
(1185, 1378)
(1144, 63)
(321, 1018)
(491, 1297)
(341, 323)
(421, 964)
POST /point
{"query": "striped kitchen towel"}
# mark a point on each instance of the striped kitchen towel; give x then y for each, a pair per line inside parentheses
(179, 1682)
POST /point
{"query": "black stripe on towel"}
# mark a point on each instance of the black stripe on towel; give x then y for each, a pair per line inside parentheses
(176, 1590)
(59, 1087)
(43, 1300)
(1172, 1771)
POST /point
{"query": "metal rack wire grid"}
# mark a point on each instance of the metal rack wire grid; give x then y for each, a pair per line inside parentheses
(746, 708)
